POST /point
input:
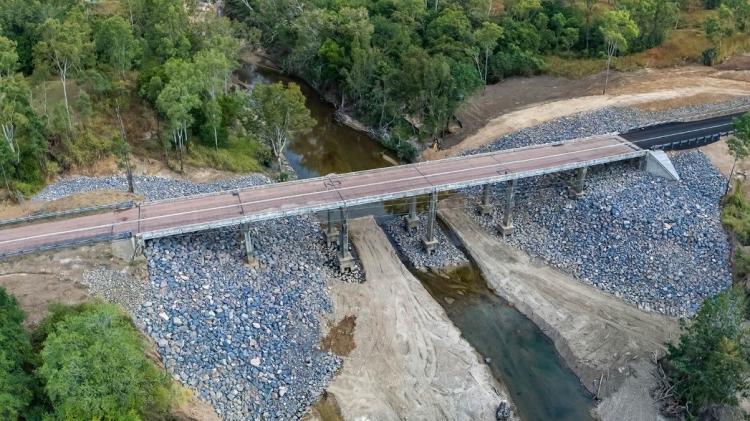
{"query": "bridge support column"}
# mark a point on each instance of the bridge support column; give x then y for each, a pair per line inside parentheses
(430, 242)
(346, 261)
(247, 241)
(506, 226)
(485, 208)
(578, 185)
(331, 231)
(412, 219)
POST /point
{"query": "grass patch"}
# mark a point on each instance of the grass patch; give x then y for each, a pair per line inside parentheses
(239, 155)
(573, 68)
(735, 215)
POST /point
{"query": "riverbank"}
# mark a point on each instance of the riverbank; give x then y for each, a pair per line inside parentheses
(410, 361)
(599, 336)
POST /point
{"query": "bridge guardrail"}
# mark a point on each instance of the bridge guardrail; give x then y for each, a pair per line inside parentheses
(49, 215)
(71, 243)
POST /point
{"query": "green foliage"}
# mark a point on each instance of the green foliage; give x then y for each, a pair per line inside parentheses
(709, 366)
(281, 115)
(736, 215)
(116, 45)
(654, 18)
(8, 57)
(741, 265)
(94, 367)
(739, 143)
(16, 382)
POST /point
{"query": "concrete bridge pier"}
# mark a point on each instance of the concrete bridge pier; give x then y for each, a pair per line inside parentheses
(412, 219)
(332, 233)
(247, 241)
(506, 226)
(346, 260)
(578, 185)
(485, 208)
(430, 241)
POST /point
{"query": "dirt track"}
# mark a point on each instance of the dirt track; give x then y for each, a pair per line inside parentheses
(596, 333)
(489, 119)
(410, 361)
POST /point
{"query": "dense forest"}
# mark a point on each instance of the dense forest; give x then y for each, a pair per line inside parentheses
(84, 81)
(75, 74)
(423, 58)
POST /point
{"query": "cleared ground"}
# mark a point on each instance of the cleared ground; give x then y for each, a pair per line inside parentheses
(598, 335)
(410, 361)
(525, 102)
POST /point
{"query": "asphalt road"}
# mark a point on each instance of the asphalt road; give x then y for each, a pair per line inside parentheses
(196, 213)
(681, 135)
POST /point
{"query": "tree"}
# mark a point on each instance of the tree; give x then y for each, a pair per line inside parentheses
(122, 150)
(8, 57)
(177, 100)
(617, 29)
(709, 365)
(739, 144)
(115, 44)
(63, 46)
(14, 107)
(15, 349)
(486, 38)
(281, 115)
(94, 367)
(654, 18)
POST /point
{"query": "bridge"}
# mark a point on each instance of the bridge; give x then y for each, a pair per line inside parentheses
(335, 192)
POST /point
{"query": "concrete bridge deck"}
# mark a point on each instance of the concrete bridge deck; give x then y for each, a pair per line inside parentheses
(196, 213)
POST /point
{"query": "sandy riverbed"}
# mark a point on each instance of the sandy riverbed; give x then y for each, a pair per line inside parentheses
(598, 335)
(410, 361)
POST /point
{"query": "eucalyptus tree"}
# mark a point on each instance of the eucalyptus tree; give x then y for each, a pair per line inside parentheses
(618, 29)
(179, 97)
(63, 47)
(280, 115)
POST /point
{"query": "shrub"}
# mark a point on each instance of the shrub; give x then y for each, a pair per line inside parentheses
(15, 381)
(709, 366)
(736, 215)
(709, 56)
(94, 366)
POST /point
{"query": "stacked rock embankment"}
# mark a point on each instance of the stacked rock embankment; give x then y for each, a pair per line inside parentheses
(246, 338)
(653, 242)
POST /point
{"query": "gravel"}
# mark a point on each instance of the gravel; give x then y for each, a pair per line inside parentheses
(605, 120)
(656, 243)
(150, 187)
(409, 244)
(245, 338)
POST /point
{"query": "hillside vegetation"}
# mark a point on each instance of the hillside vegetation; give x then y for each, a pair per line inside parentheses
(405, 66)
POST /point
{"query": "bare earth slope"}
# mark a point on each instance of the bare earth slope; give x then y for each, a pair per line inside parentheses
(596, 333)
(410, 361)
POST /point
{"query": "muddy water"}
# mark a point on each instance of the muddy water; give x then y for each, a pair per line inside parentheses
(330, 147)
(520, 355)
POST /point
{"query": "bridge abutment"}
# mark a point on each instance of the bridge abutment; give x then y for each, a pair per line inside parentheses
(332, 233)
(247, 242)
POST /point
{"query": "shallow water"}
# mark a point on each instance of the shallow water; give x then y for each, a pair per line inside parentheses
(521, 356)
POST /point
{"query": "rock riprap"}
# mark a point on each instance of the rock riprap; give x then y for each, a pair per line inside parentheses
(150, 187)
(246, 338)
(656, 243)
(409, 244)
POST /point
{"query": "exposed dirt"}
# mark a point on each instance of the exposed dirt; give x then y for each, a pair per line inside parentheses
(10, 210)
(598, 335)
(325, 409)
(410, 361)
(40, 279)
(340, 339)
(718, 153)
(519, 103)
(633, 397)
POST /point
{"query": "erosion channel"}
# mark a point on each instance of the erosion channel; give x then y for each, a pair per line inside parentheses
(517, 351)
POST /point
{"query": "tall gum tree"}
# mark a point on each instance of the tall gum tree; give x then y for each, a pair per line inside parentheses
(63, 47)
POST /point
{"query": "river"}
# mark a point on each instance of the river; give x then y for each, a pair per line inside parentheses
(520, 355)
